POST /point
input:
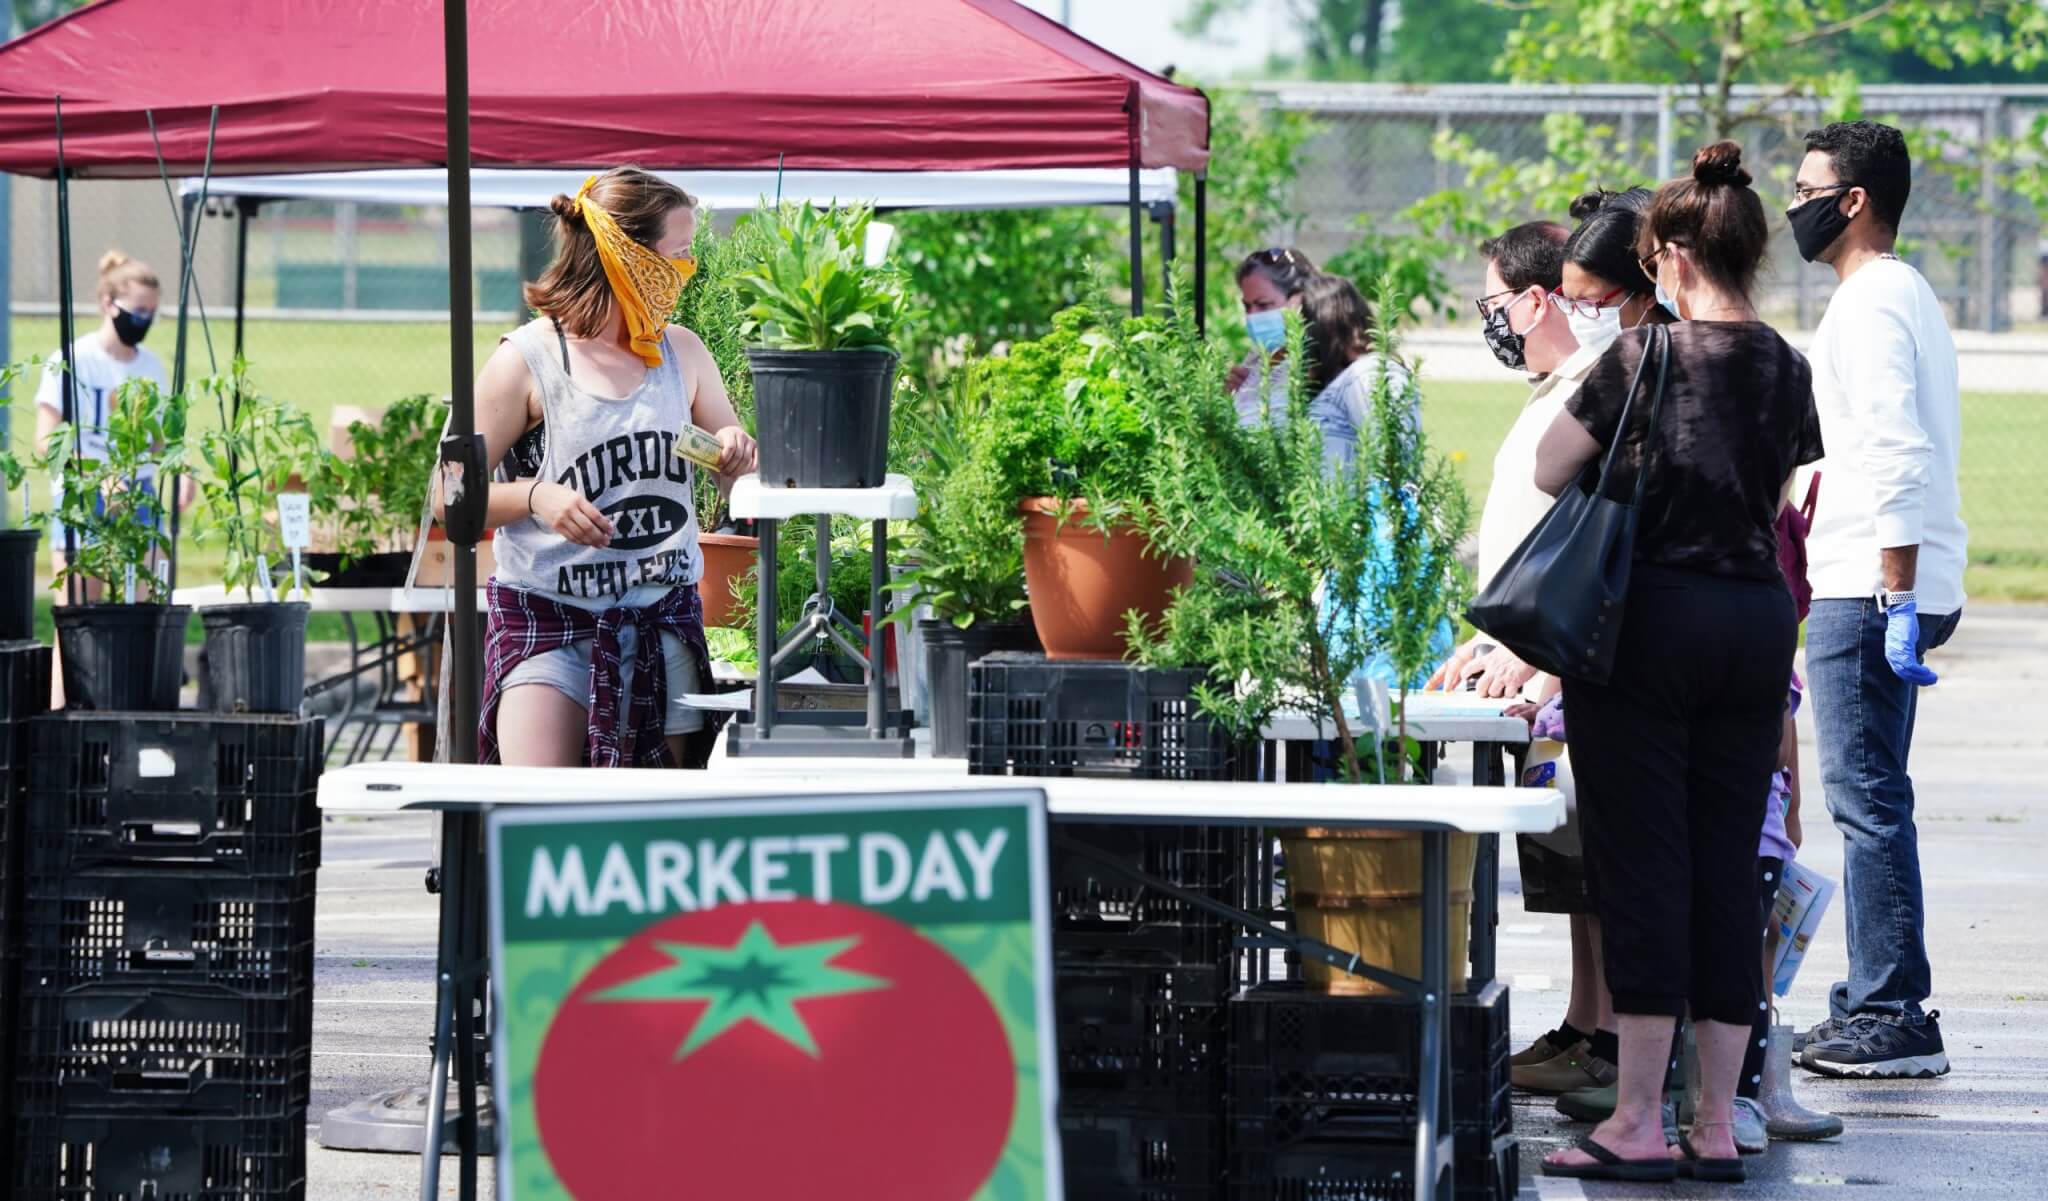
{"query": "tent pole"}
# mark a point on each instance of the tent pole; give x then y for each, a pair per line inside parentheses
(463, 687)
(185, 235)
(1202, 252)
(1164, 212)
(1137, 240)
(66, 334)
(245, 208)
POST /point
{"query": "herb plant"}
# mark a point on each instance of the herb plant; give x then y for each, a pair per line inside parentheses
(713, 308)
(112, 501)
(262, 449)
(384, 485)
(966, 544)
(1303, 571)
(811, 288)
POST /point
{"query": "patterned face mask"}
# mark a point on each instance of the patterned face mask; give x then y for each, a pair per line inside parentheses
(645, 285)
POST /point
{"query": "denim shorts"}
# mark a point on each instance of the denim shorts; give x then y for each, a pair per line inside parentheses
(567, 670)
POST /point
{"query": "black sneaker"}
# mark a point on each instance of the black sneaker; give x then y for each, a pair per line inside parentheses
(1873, 1049)
(1821, 1032)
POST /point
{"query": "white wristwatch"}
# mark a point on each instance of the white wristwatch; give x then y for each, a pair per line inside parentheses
(1887, 600)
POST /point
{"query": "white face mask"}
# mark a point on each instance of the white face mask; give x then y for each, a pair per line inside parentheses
(1597, 331)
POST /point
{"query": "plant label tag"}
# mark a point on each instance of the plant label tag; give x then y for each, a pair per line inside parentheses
(295, 519)
(263, 578)
(128, 585)
(298, 573)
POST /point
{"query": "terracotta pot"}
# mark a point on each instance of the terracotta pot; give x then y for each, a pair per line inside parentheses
(727, 557)
(1081, 583)
(1361, 891)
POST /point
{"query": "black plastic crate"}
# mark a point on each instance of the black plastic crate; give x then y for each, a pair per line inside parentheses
(1141, 1039)
(1487, 1170)
(24, 680)
(1309, 1066)
(141, 929)
(131, 1158)
(1139, 1156)
(105, 1051)
(229, 792)
(1030, 716)
(1103, 915)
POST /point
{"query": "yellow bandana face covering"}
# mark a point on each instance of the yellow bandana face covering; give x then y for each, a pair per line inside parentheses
(645, 285)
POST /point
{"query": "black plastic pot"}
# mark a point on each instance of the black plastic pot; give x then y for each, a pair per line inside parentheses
(122, 657)
(385, 569)
(948, 651)
(255, 657)
(822, 416)
(18, 584)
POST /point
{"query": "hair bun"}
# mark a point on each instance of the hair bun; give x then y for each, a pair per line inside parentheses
(566, 208)
(1590, 203)
(1720, 165)
(114, 260)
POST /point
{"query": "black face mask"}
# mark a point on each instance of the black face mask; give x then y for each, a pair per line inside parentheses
(1817, 224)
(130, 328)
(1503, 341)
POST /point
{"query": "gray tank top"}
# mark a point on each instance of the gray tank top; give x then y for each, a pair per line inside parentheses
(620, 453)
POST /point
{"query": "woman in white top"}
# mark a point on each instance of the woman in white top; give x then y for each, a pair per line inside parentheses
(101, 362)
(1341, 367)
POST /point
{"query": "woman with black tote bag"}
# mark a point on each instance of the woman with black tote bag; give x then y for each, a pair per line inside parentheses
(1674, 743)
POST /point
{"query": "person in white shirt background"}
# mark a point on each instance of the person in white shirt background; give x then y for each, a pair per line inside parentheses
(1270, 282)
(1885, 558)
(101, 362)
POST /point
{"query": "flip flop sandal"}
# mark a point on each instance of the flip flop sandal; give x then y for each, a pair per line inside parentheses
(1609, 1166)
(1719, 1171)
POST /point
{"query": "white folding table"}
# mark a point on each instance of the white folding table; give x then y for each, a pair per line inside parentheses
(461, 793)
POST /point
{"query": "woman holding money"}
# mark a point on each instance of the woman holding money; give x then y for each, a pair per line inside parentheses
(595, 624)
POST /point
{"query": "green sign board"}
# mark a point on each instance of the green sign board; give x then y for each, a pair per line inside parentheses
(792, 999)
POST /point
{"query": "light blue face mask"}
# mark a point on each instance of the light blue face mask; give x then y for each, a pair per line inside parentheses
(1669, 302)
(1268, 329)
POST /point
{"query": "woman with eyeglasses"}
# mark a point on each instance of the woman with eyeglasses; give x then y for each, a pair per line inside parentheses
(1674, 754)
(101, 362)
(1270, 282)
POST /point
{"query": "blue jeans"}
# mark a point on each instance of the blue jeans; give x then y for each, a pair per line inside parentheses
(1863, 715)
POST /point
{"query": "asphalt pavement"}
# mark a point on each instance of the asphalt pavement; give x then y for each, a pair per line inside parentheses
(1980, 760)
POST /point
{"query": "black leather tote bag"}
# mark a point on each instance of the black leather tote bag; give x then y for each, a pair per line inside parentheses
(1558, 599)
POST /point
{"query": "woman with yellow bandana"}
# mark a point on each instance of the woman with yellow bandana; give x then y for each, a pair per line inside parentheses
(595, 625)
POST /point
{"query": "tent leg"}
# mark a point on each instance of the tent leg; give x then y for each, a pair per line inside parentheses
(245, 208)
(1202, 253)
(65, 333)
(1137, 242)
(1164, 212)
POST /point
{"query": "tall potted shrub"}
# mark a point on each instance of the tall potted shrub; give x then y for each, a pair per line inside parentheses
(820, 321)
(18, 546)
(1073, 430)
(127, 652)
(1306, 574)
(255, 648)
(965, 551)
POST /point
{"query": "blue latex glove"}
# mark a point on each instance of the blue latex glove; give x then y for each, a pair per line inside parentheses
(1902, 644)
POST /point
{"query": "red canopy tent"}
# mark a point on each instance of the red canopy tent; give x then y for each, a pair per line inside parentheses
(307, 85)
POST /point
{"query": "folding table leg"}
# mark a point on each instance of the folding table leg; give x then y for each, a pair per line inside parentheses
(877, 561)
(1433, 1085)
(1486, 773)
(766, 634)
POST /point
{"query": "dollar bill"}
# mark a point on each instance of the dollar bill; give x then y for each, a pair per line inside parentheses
(699, 447)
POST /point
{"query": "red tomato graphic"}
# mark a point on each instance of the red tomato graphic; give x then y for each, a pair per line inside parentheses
(785, 1051)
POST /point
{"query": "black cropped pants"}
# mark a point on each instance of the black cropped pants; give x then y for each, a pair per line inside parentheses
(1673, 758)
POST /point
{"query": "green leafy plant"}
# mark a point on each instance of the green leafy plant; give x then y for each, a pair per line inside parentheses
(1291, 599)
(383, 486)
(812, 289)
(264, 448)
(965, 545)
(111, 501)
(796, 572)
(713, 308)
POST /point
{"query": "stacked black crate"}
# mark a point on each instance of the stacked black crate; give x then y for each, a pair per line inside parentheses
(24, 694)
(165, 1046)
(1323, 1094)
(1142, 976)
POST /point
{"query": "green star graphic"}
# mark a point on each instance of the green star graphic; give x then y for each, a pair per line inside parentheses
(755, 978)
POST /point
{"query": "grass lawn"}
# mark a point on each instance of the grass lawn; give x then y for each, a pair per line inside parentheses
(318, 365)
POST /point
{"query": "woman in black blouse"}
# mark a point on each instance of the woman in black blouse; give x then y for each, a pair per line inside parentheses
(1673, 756)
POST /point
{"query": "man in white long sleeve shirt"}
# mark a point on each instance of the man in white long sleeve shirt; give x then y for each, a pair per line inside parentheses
(1885, 557)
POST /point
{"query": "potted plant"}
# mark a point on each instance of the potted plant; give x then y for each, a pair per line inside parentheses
(1072, 433)
(17, 546)
(820, 320)
(383, 487)
(255, 649)
(965, 552)
(1307, 575)
(126, 653)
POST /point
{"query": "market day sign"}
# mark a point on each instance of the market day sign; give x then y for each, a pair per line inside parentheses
(782, 1000)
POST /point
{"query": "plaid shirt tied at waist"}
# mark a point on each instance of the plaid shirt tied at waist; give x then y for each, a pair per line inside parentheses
(524, 624)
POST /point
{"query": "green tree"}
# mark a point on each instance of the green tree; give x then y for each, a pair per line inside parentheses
(1341, 38)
